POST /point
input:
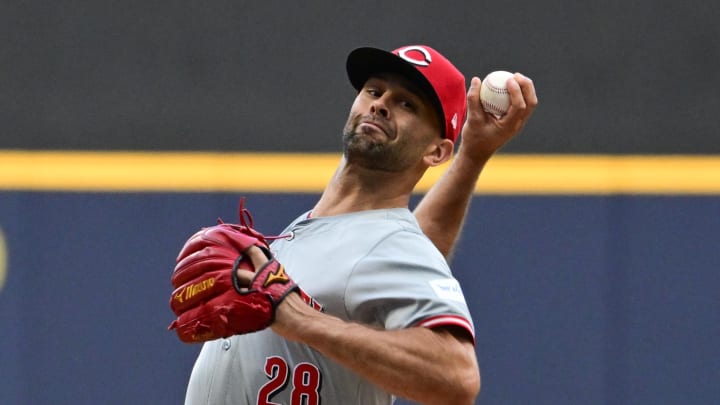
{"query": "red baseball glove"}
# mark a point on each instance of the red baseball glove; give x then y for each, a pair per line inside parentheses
(209, 299)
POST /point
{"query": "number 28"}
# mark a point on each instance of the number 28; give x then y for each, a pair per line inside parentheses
(306, 380)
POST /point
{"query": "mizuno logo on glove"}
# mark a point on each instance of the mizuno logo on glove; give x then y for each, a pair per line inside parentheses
(278, 277)
(193, 289)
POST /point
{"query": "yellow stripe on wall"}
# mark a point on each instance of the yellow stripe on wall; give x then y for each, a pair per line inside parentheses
(308, 173)
(164, 171)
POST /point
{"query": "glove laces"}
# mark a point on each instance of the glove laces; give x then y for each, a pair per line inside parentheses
(246, 220)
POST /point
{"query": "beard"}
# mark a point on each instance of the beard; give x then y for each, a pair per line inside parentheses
(372, 152)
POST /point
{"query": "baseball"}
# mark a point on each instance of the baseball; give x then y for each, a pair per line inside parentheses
(494, 96)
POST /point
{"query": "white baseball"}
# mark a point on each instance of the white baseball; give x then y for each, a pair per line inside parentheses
(494, 95)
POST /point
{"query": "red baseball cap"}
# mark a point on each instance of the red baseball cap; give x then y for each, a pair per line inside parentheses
(424, 66)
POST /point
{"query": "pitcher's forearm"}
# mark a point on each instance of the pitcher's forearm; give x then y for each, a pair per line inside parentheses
(421, 364)
(441, 213)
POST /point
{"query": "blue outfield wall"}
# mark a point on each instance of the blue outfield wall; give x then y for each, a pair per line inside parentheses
(576, 299)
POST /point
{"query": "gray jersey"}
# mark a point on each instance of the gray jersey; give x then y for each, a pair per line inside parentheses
(373, 267)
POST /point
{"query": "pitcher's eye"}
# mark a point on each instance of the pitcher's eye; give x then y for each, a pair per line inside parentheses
(373, 92)
(408, 105)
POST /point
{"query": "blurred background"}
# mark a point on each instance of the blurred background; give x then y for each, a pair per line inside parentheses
(590, 296)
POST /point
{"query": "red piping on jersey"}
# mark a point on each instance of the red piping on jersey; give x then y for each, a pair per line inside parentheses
(448, 320)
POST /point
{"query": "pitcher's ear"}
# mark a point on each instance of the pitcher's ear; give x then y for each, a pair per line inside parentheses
(439, 152)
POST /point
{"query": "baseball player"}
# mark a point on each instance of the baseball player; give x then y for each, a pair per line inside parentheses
(353, 303)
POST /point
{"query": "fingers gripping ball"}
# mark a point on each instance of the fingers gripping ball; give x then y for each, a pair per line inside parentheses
(494, 95)
(209, 299)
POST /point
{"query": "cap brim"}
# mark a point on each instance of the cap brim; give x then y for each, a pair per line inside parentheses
(362, 63)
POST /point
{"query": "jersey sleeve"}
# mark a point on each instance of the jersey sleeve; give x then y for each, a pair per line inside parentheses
(403, 282)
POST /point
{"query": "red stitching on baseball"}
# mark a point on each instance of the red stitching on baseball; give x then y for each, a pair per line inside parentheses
(497, 89)
(492, 108)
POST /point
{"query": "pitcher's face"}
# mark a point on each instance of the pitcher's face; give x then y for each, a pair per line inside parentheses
(390, 125)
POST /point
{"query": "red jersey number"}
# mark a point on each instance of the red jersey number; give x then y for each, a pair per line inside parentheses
(306, 381)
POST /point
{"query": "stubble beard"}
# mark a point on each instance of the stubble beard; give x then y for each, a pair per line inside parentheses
(370, 152)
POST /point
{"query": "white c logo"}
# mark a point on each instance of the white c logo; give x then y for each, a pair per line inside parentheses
(426, 62)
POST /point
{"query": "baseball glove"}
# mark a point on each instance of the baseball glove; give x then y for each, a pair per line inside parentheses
(209, 299)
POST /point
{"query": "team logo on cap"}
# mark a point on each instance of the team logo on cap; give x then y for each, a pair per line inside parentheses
(403, 53)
